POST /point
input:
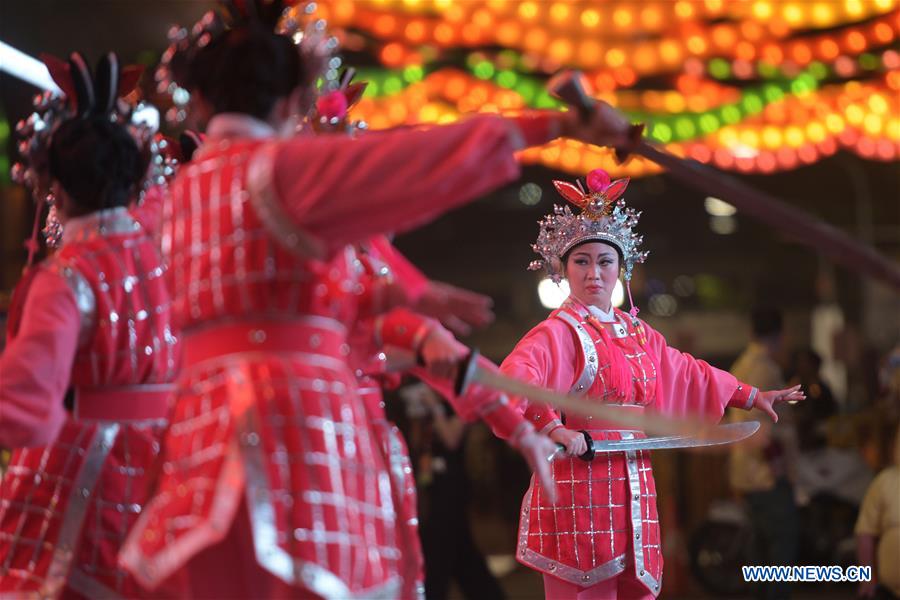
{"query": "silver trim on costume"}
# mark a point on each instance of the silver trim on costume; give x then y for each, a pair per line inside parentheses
(754, 392)
(264, 200)
(546, 429)
(79, 499)
(109, 221)
(634, 484)
(85, 300)
(588, 353)
(543, 564)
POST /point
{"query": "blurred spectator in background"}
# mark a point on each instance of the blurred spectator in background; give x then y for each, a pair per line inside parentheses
(761, 469)
(811, 417)
(437, 444)
(878, 528)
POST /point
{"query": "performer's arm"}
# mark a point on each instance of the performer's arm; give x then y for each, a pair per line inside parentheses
(36, 365)
(544, 357)
(692, 386)
(340, 190)
(427, 338)
(457, 309)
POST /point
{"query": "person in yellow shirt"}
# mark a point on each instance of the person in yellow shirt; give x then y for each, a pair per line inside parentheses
(879, 526)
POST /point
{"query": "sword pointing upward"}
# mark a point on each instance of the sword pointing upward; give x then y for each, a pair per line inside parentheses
(824, 238)
(703, 433)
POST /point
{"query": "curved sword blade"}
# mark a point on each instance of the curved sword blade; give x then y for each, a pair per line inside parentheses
(725, 434)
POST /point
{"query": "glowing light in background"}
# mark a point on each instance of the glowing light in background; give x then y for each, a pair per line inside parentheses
(663, 305)
(552, 295)
(718, 208)
(618, 295)
(723, 225)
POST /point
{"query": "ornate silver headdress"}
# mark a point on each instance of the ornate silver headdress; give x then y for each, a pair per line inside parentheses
(603, 217)
(101, 93)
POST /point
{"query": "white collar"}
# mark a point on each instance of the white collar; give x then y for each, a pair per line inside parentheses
(110, 220)
(600, 314)
(603, 316)
(238, 125)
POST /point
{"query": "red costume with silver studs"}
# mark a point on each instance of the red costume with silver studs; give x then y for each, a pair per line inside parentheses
(605, 518)
(265, 289)
(96, 317)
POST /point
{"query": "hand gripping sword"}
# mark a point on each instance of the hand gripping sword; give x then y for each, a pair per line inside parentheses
(665, 432)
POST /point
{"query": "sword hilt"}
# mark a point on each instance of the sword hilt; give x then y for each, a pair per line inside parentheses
(588, 455)
(569, 87)
(465, 372)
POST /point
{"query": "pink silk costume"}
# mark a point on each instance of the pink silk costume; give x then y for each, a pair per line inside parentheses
(266, 291)
(605, 520)
(95, 316)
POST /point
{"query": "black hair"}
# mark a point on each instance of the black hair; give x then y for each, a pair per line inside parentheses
(766, 322)
(96, 162)
(246, 70)
(565, 257)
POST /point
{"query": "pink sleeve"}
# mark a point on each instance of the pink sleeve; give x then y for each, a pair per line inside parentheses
(405, 329)
(689, 386)
(343, 190)
(36, 365)
(546, 357)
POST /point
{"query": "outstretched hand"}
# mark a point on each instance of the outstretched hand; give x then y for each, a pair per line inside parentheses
(535, 448)
(767, 400)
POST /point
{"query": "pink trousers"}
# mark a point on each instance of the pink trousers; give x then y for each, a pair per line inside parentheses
(624, 586)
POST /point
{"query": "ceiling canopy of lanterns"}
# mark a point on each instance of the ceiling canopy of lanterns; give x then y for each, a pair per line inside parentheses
(752, 85)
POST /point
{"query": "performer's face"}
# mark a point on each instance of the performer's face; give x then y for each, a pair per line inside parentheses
(592, 270)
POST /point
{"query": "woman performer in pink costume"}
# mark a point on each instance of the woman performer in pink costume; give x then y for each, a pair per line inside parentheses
(95, 317)
(265, 289)
(601, 538)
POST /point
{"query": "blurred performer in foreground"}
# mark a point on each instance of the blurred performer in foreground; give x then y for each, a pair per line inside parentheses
(94, 317)
(272, 482)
